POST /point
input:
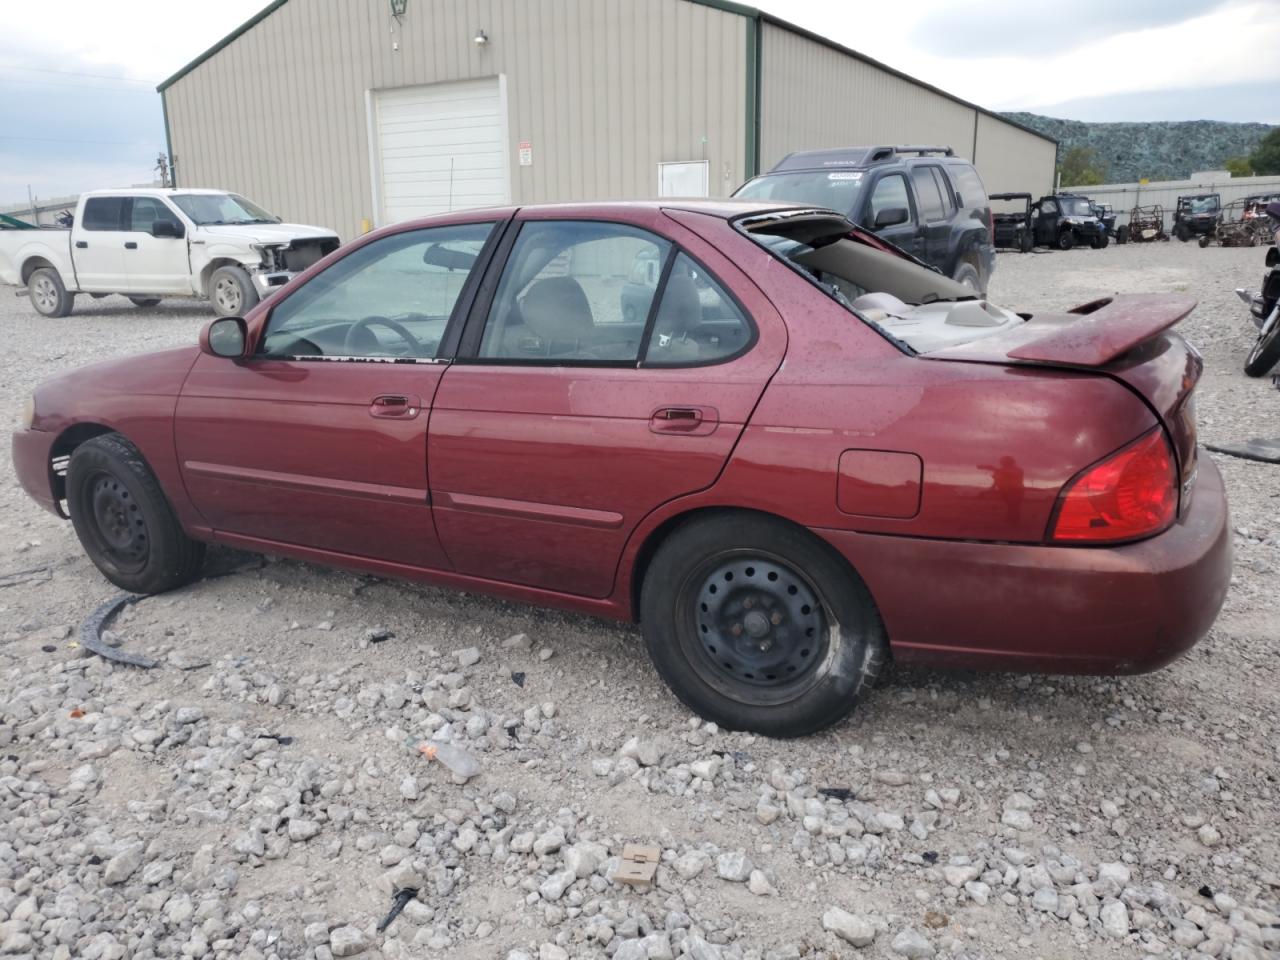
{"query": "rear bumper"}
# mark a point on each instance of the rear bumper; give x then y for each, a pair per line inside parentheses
(1100, 610)
(31, 464)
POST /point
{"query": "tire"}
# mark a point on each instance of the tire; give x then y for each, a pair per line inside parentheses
(231, 292)
(629, 313)
(124, 521)
(1026, 243)
(145, 302)
(1265, 353)
(1122, 235)
(1066, 240)
(1205, 241)
(47, 293)
(1182, 233)
(831, 654)
(1097, 243)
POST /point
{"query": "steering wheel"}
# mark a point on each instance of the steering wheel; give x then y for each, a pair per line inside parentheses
(353, 332)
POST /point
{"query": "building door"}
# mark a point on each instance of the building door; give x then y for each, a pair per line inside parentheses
(440, 147)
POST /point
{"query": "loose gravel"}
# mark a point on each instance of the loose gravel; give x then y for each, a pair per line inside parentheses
(258, 794)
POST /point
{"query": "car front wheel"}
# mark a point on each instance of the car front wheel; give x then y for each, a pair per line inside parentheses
(232, 292)
(124, 520)
(757, 625)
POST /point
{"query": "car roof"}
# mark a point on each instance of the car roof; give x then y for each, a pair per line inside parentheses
(723, 209)
(847, 157)
(151, 191)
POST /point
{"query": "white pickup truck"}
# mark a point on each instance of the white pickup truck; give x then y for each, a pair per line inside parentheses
(150, 243)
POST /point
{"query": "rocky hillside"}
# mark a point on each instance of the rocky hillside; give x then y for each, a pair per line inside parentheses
(1158, 151)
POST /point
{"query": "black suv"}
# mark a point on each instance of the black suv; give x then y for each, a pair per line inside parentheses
(925, 200)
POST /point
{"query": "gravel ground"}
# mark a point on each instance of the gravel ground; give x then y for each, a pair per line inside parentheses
(253, 796)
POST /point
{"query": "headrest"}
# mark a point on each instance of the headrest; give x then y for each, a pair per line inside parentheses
(557, 310)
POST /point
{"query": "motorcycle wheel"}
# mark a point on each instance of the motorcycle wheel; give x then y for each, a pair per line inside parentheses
(1266, 352)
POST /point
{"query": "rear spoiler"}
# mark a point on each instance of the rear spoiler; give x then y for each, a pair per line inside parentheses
(1090, 335)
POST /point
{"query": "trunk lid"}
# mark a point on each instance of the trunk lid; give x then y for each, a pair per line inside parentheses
(1127, 338)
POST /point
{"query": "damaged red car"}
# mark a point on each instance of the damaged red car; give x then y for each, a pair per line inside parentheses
(789, 450)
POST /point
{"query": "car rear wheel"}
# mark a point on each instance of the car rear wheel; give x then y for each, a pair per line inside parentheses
(124, 520)
(1122, 235)
(145, 302)
(232, 292)
(757, 625)
(47, 293)
(967, 273)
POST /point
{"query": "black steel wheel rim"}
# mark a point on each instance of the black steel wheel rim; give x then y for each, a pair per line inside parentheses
(117, 523)
(761, 631)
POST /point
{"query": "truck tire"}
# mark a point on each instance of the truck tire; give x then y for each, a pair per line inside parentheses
(967, 273)
(1122, 234)
(1066, 240)
(231, 292)
(47, 293)
(1026, 242)
(145, 302)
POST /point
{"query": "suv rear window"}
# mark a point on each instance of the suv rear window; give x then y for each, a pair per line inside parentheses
(102, 213)
(970, 190)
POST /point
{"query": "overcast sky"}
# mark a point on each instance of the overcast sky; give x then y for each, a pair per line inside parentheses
(78, 107)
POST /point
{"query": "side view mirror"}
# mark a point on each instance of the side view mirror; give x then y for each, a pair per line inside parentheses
(167, 228)
(225, 337)
(891, 216)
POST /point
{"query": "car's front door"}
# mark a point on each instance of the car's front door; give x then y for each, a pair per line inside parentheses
(155, 264)
(319, 440)
(562, 423)
(891, 193)
(99, 246)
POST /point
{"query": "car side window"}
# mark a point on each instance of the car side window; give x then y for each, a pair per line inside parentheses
(102, 213)
(571, 293)
(971, 191)
(696, 322)
(944, 188)
(146, 211)
(928, 194)
(889, 193)
(389, 300)
(1049, 208)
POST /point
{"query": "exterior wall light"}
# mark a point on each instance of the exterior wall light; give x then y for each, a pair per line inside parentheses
(397, 7)
(481, 38)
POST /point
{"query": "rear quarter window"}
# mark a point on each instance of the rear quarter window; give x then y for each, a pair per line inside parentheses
(970, 190)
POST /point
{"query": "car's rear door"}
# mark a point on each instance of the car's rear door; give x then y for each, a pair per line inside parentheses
(936, 211)
(98, 246)
(561, 424)
(320, 439)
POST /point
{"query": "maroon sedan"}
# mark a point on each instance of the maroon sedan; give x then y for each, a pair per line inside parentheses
(803, 454)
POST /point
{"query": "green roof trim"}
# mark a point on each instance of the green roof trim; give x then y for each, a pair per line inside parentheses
(225, 41)
(751, 152)
(760, 16)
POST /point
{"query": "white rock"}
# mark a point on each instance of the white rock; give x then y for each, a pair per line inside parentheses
(849, 927)
(734, 866)
(468, 656)
(549, 951)
(554, 886)
(122, 866)
(1018, 819)
(1115, 919)
(409, 788)
(1045, 899)
(957, 875)
(582, 860)
(911, 944)
(691, 864)
(315, 934)
(549, 842)
(759, 884)
(348, 942)
(1209, 835)
(1114, 871)
(517, 641)
(300, 830)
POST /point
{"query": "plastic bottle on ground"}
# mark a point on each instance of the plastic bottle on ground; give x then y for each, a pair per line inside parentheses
(455, 758)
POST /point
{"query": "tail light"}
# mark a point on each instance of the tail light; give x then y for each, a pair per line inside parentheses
(1131, 494)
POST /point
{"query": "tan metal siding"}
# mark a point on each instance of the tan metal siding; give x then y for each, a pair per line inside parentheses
(813, 96)
(603, 89)
(1012, 160)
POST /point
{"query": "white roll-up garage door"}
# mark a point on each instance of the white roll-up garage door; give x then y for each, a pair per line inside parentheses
(440, 147)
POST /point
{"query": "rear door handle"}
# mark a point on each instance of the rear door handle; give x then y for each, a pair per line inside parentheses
(395, 406)
(131, 245)
(82, 245)
(694, 421)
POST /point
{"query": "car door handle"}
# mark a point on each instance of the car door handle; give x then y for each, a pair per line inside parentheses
(395, 406)
(686, 420)
(81, 245)
(131, 245)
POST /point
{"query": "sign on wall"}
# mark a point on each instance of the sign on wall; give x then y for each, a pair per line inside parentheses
(684, 178)
(525, 151)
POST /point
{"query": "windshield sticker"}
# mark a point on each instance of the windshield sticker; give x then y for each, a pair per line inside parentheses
(855, 175)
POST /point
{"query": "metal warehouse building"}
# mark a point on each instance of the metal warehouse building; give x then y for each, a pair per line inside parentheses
(342, 112)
